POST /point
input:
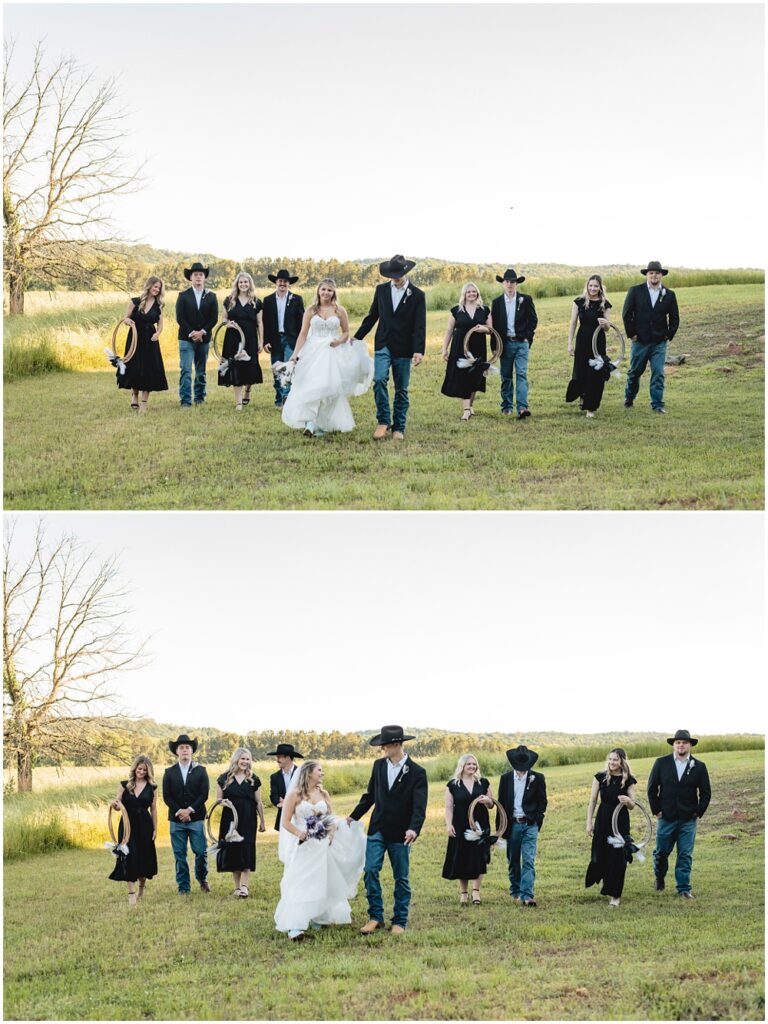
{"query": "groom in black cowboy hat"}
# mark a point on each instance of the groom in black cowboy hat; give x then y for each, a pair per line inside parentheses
(197, 310)
(286, 754)
(397, 791)
(282, 315)
(185, 791)
(514, 317)
(401, 311)
(651, 319)
(679, 794)
(523, 795)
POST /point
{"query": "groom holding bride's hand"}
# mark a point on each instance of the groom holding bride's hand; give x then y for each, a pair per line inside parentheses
(398, 792)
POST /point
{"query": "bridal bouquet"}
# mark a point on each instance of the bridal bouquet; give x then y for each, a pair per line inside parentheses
(320, 826)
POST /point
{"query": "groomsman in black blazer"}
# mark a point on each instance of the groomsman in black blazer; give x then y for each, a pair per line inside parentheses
(401, 311)
(523, 795)
(514, 317)
(282, 315)
(651, 319)
(397, 791)
(197, 311)
(185, 791)
(279, 780)
(679, 794)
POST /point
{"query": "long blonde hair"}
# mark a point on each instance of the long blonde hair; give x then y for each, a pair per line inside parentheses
(233, 769)
(316, 303)
(148, 284)
(302, 785)
(460, 767)
(140, 759)
(625, 772)
(463, 296)
(602, 298)
(233, 296)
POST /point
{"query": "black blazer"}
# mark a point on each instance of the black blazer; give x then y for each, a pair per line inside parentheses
(534, 797)
(190, 318)
(294, 313)
(277, 791)
(403, 330)
(650, 324)
(526, 320)
(194, 794)
(397, 809)
(678, 800)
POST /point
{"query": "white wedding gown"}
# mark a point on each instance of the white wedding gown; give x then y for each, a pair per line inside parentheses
(320, 876)
(325, 376)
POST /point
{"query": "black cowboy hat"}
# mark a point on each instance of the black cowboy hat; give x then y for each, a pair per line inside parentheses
(189, 271)
(655, 265)
(522, 758)
(682, 734)
(510, 275)
(285, 748)
(398, 266)
(389, 734)
(173, 744)
(285, 276)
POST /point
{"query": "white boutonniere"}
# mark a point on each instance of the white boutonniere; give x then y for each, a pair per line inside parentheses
(407, 295)
(519, 301)
(403, 773)
(663, 293)
(690, 765)
(288, 300)
(530, 780)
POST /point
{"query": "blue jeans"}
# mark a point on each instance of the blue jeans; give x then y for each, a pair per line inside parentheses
(640, 356)
(192, 353)
(521, 845)
(281, 352)
(401, 375)
(514, 358)
(667, 834)
(180, 832)
(399, 856)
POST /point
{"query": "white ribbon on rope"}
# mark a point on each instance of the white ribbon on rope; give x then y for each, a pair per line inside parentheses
(115, 359)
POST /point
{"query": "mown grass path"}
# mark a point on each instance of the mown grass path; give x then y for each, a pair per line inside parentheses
(74, 950)
(72, 442)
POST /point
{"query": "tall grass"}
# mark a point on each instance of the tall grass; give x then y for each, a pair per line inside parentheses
(68, 330)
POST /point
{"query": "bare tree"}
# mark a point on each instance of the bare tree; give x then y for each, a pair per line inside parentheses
(62, 165)
(64, 640)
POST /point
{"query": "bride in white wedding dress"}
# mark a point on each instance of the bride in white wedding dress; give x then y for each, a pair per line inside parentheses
(329, 367)
(323, 857)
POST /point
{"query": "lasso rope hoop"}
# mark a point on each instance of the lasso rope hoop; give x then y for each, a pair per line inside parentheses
(503, 820)
(119, 361)
(126, 826)
(495, 336)
(214, 840)
(646, 826)
(622, 346)
(240, 348)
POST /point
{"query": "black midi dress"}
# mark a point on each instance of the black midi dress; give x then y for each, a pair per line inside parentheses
(463, 383)
(586, 382)
(145, 370)
(239, 856)
(609, 864)
(141, 861)
(464, 859)
(242, 372)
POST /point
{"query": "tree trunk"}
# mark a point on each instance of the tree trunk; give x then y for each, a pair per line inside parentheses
(24, 770)
(16, 295)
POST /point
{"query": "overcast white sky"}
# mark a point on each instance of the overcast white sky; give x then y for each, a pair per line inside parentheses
(577, 622)
(587, 134)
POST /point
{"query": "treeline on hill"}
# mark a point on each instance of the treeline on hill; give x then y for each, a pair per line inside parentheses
(131, 737)
(126, 267)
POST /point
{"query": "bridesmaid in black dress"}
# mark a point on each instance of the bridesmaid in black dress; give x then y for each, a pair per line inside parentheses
(243, 788)
(458, 383)
(465, 860)
(138, 794)
(145, 371)
(591, 311)
(242, 306)
(615, 785)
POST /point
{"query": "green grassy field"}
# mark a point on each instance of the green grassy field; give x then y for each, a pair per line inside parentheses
(72, 442)
(74, 950)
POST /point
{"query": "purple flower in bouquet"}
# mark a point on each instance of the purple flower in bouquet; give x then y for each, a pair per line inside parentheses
(317, 826)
